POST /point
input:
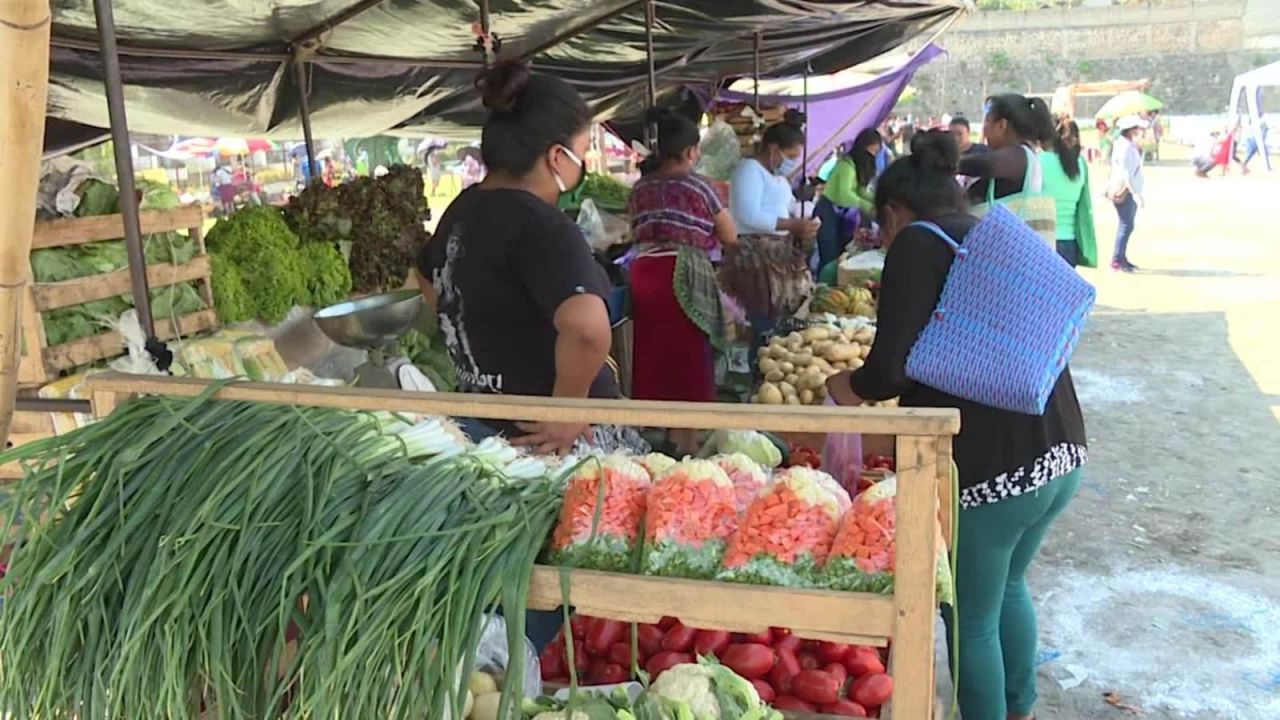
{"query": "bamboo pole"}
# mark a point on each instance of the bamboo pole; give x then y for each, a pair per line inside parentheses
(24, 88)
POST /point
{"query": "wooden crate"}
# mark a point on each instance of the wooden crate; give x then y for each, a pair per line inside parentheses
(923, 448)
(40, 362)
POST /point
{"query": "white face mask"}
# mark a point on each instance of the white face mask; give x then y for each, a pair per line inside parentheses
(581, 178)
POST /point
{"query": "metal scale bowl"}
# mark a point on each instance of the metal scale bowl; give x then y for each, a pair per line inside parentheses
(371, 323)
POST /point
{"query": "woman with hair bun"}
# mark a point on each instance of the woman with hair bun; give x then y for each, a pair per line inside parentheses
(520, 298)
(678, 222)
(1017, 472)
(1014, 128)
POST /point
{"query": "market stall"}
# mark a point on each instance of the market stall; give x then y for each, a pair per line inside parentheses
(901, 613)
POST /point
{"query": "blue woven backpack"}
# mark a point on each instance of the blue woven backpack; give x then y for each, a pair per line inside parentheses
(1008, 318)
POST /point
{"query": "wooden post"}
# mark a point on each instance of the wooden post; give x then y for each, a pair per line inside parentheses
(914, 591)
(24, 88)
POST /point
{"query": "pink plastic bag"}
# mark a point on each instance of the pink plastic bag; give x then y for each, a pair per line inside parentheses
(842, 458)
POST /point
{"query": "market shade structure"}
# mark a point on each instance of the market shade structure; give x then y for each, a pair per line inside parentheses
(218, 67)
(1246, 100)
(843, 104)
(1128, 103)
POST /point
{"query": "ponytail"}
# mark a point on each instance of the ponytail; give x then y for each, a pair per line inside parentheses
(924, 181)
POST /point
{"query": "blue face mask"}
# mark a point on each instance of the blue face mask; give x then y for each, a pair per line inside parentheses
(787, 166)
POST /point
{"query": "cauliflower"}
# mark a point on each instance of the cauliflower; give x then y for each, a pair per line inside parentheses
(707, 691)
(561, 715)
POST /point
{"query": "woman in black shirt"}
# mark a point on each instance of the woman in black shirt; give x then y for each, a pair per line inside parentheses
(520, 298)
(1017, 471)
(1013, 129)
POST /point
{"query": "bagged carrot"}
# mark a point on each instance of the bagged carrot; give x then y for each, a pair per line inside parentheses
(786, 534)
(864, 552)
(690, 514)
(602, 514)
(655, 463)
(747, 476)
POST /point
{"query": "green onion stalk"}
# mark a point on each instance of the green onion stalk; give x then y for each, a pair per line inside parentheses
(164, 552)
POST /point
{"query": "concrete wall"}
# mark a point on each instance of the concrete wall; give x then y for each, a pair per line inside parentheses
(1190, 50)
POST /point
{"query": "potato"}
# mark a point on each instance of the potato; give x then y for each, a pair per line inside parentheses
(855, 363)
(844, 353)
(768, 365)
(838, 366)
(815, 334)
(791, 379)
(864, 335)
(806, 397)
(848, 333)
(822, 364)
(802, 358)
(779, 352)
(821, 392)
(774, 375)
(762, 353)
(866, 350)
(770, 394)
(787, 388)
(486, 707)
(792, 400)
(795, 337)
(820, 349)
(787, 366)
(482, 683)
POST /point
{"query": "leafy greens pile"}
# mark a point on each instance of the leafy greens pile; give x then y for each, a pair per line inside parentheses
(379, 219)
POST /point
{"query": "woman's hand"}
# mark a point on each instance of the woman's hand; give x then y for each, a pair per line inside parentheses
(551, 438)
(804, 229)
(840, 389)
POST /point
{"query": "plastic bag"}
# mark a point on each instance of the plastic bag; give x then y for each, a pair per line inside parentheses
(603, 539)
(655, 463)
(592, 224)
(842, 458)
(720, 151)
(493, 653)
(787, 531)
(863, 554)
(260, 359)
(690, 513)
(747, 476)
(211, 359)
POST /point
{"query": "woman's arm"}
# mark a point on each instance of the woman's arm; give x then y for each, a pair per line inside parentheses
(842, 185)
(726, 229)
(1007, 163)
(583, 337)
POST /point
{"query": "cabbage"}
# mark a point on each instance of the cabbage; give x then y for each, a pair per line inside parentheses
(754, 445)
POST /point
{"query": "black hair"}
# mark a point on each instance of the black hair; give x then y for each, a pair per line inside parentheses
(676, 133)
(1067, 155)
(864, 162)
(528, 113)
(924, 181)
(787, 134)
(960, 121)
(1029, 117)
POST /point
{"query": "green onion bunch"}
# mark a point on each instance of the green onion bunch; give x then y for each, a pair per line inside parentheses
(165, 551)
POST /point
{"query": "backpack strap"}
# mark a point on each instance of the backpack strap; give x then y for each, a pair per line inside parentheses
(933, 228)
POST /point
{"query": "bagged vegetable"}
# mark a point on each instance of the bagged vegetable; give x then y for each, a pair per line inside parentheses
(755, 445)
(691, 510)
(655, 463)
(493, 653)
(747, 476)
(786, 534)
(863, 553)
(260, 359)
(602, 514)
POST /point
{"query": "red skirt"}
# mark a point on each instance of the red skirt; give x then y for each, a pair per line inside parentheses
(671, 358)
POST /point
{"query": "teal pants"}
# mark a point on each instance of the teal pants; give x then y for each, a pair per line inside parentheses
(995, 545)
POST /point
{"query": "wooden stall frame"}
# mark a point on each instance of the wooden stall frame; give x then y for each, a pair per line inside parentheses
(924, 438)
(40, 362)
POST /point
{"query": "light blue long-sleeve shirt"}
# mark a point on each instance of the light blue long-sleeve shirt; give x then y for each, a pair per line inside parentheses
(758, 198)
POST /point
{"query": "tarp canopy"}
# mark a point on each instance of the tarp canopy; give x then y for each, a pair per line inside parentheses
(1246, 100)
(841, 105)
(223, 67)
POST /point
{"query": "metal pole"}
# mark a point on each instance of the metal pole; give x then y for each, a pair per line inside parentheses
(804, 152)
(485, 23)
(304, 114)
(124, 164)
(650, 15)
(755, 66)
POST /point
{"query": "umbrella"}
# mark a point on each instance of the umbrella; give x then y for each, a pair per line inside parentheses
(194, 147)
(240, 146)
(1128, 103)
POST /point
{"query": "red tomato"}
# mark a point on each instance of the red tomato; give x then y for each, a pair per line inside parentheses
(581, 625)
(779, 633)
(711, 642)
(620, 653)
(764, 637)
(604, 633)
(808, 660)
(581, 657)
(790, 642)
(667, 623)
(844, 708)
(863, 660)
(750, 660)
(659, 663)
(679, 638)
(611, 674)
(830, 652)
(552, 662)
(839, 671)
(765, 690)
(816, 686)
(789, 702)
(595, 670)
(782, 673)
(872, 691)
(649, 637)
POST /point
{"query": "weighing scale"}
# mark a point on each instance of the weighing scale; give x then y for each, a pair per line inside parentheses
(372, 323)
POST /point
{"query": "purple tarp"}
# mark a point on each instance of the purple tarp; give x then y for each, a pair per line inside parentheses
(836, 117)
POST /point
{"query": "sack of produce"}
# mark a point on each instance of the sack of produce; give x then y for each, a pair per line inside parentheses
(602, 514)
(260, 359)
(786, 534)
(860, 268)
(655, 463)
(690, 512)
(747, 476)
(863, 554)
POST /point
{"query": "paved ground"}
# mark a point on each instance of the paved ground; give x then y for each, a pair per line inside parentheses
(1161, 583)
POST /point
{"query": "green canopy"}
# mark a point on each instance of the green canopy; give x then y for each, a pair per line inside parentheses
(1128, 103)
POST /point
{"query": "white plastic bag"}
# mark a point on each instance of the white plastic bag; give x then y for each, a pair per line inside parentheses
(493, 654)
(592, 224)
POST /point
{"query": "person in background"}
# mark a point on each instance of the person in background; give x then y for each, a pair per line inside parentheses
(848, 188)
(1066, 179)
(677, 223)
(1014, 127)
(907, 132)
(1017, 472)
(959, 126)
(760, 191)
(1252, 146)
(225, 187)
(1124, 188)
(885, 156)
(435, 170)
(328, 173)
(1202, 154)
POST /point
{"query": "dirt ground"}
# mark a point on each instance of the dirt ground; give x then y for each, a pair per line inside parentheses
(1161, 583)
